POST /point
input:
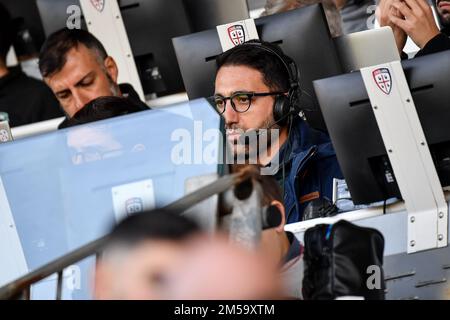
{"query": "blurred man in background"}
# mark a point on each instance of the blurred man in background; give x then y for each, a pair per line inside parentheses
(214, 269)
(414, 18)
(356, 14)
(24, 99)
(343, 16)
(77, 68)
(280, 247)
(100, 109)
(135, 262)
(331, 11)
(162, 255)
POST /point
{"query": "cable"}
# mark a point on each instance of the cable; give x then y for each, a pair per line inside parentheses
(288, 151)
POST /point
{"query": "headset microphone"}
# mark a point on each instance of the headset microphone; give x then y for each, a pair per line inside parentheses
(257, 132)
(285, 105)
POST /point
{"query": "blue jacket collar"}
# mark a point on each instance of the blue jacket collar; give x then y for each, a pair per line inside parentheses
(303, 138)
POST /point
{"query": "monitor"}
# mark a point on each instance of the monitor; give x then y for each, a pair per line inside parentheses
(150, 25)
(64, 189)
(207, 14)
(355, 135)
(362, 49)
(54, 16)
(303, 34)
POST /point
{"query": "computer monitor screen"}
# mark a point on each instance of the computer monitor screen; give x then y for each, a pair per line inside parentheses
(207, 14)
(62, 190)
(362, 49)
(303, 34)
(355, 135)
(54, 16)
(150, 26)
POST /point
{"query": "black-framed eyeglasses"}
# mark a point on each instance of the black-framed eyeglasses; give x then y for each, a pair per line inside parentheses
(240, 101)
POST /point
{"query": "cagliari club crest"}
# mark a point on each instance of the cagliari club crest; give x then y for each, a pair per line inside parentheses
(98, 4)
(383, 79)
(134, 205)
(236, 34)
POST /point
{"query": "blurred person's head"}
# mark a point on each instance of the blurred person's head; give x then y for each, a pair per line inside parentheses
(443, 10)
(102, 108)
(242, 71)
(274, 241)
(215, 269)
(139, 252)
(77, 68)
(7, 29)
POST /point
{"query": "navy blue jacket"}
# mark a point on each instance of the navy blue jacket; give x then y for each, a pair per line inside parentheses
(312, 164)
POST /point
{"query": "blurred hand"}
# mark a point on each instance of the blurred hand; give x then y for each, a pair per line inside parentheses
(418, 22)
(383, 14)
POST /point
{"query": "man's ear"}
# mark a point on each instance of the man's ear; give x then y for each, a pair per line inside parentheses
(282, 212)
(111, 68)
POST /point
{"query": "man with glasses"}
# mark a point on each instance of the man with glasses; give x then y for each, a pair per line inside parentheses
(256, 90)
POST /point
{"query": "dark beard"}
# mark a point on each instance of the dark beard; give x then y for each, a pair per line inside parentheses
(444, 19)
(445, 22)
(251, 153)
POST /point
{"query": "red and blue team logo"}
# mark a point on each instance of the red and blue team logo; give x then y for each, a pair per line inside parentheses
(383, 79)
(98, 4)
(236, 34)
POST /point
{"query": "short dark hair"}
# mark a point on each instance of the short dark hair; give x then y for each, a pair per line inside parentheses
(102, 108)
(274, 72)
(7, 32)
(53, 54)
(157, 224)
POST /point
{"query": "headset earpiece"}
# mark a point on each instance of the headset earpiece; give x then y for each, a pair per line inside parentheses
(281, 109)
(272, 217)
(285, 106)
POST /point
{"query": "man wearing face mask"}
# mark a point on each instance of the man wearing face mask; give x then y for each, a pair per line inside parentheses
(77, 68)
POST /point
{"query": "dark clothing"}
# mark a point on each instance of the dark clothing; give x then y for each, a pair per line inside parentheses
(439, 43)
(356, 14)
(293, 268)
(27, 100)
(310, 165)
(446, 31)
(295, 248)
(128, 92)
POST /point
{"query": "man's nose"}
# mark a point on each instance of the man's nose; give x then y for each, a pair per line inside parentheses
(81, 100)
(230, 115)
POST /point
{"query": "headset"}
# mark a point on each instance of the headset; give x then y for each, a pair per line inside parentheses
(285, 106)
